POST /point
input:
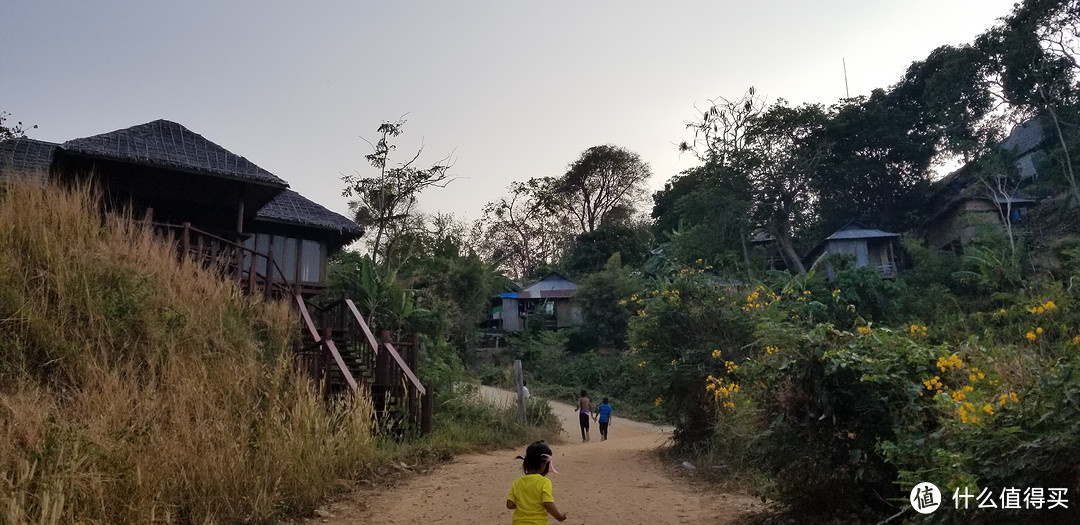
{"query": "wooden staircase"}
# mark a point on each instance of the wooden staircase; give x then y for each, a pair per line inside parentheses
(340, 350)
(337, 346)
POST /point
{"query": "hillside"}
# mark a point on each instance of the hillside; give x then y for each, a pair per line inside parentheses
(135, 388)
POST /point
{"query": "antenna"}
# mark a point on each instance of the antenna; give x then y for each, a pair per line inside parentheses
(847, 94)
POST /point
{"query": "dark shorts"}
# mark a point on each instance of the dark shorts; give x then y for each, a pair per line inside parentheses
(583, 418)
(603, 428)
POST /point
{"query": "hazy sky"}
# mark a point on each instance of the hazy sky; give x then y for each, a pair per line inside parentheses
(513, 89)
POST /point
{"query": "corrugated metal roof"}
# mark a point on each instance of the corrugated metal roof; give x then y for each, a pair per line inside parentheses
(551, 282)
(860, 233)
(163, 143)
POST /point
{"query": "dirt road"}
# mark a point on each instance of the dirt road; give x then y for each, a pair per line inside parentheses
(618, 481)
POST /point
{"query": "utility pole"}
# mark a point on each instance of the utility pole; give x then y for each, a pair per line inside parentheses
(847, 94)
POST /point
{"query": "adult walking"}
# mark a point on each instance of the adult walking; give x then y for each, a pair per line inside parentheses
(584, 407)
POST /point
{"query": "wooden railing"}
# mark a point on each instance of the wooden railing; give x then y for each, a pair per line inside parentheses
(340, 348)
(231, 258)
(382, 367)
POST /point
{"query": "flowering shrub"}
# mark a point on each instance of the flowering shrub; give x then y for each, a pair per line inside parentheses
(791, 378)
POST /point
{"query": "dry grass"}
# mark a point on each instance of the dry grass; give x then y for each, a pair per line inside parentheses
(136, 389)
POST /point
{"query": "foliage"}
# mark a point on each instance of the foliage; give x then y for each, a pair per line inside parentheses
(522, 231)
(830, 406)
(591, 251)
(602, 187)
(704, 213)
(382, 300)
(386, 201)
(12, 132)
(603, 296)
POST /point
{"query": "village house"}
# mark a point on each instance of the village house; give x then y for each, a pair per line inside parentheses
(552, 297)
(870, 247)
(963, 203)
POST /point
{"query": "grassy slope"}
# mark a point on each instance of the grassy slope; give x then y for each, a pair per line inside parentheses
(137, 389)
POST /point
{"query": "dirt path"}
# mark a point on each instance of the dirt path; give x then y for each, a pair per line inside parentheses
(619, 480)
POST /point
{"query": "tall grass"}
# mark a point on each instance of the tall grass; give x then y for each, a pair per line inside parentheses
(135, 388)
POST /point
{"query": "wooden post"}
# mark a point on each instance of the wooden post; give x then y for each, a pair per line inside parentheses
(253, 268)
(427, 404)
(269, 267)
(519, 381)
(185, 241)
(414, 394)
(382, 361)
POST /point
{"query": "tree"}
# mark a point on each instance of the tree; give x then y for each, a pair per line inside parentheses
(523, 230)
(606, 182)
(12, 132)
(386, 202)
(1034, 51)
(591, 251)
(704, 213)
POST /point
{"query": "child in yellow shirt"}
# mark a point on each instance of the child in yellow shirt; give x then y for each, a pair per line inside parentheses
(530, 495)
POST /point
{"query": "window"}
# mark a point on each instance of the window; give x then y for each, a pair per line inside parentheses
(288, 264)
(262, 242)
(310, 262)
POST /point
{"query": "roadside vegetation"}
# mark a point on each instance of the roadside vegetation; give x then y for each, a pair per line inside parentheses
(137, 388)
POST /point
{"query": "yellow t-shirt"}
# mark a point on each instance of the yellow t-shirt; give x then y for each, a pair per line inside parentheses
(529, 493)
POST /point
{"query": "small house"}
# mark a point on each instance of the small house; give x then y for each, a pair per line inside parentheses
(870, 247)
(552, 297)
(962, 204)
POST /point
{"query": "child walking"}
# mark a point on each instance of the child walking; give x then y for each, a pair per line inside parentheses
(583, 408)
(604, 413)
(530, 495)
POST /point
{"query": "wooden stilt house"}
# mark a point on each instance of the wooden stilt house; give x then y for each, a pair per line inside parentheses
(225, 211)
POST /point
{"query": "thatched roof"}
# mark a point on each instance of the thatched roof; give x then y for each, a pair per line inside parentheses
(292, 208)
(27, 160)
(166, 144)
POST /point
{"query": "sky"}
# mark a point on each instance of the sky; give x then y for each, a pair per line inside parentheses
(509, 90)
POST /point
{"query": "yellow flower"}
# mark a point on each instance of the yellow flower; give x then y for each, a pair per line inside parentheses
(835, 292)
(958, 396)
(673, 362)
(988, 409)
(952, 362)
(1076, 340)
(716, 353)
(1015, 398)
(1030, 336)
(1039, 330)
(1002, 311)
(641, 364)
(658, 401)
